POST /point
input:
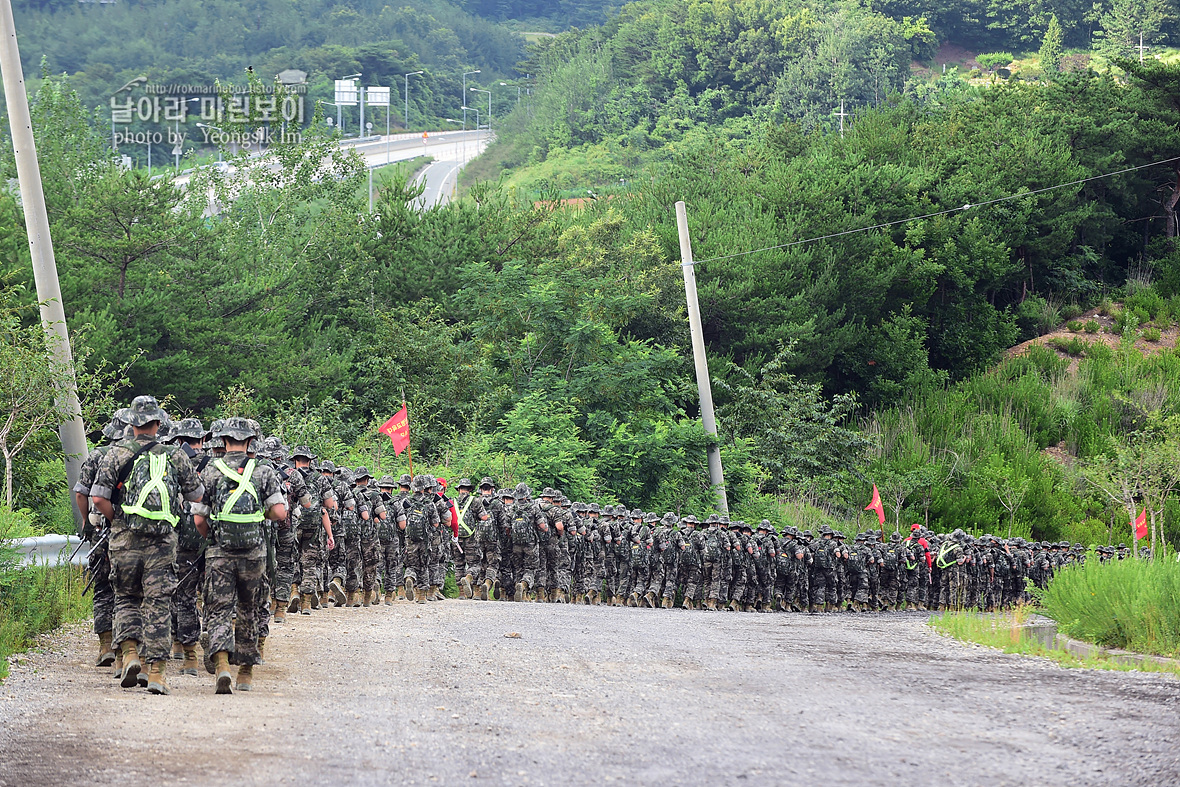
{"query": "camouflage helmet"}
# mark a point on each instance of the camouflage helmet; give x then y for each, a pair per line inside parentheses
(404, 480)
(117, 425)
(635, 514)
(191, 428)
(361, 472)
(506, 493)
(608, 510)
(386, 482)
(237, 429)
(421, 483)
(523, 491)
(765, 525)
(253, 446)
(595, 509)
(465, 483)
(272, 446)
(257, 427)
(487, 482)
(346, 476)
(712, 519)
(649, 518)
(548, 492)
(327, 466)
(723, 520)
(894, 537)
(144, 410)
(669, 520)
(302, 452)
(690, 520)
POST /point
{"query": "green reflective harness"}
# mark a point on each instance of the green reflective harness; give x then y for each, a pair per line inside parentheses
(466, 530)
(244, 485)
(157, 469)
(943, 551)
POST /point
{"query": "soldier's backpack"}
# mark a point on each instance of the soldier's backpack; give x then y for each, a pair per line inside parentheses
(238, 525)
(713, 544)
(417, 518)
(149, 492)
(523, 529)
(892, 559)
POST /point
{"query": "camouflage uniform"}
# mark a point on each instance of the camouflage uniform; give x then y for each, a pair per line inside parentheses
(299, 502)
(419, 518)
(235, 562)
(96, 531)
(525, 521)
(691, 544)
(389, 546)
(310, 530)
(142, 548)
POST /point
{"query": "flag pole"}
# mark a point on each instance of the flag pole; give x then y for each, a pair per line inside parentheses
(409, 440)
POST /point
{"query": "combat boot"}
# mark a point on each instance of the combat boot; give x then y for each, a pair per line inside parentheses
(520, 592)
(407, 588)
(293, 607)
(157, 684)
(433, 594)
(118, 671)
(190, 660)
(358, 596)
(465, 587)
(651, 599)
(106, 651)
(280, 613)
(561, 596)
(315, 599)
(131, 664)
(337, 591)
(350, 599)
(711, 604)
(401, 593)
(734, 606)
(305, 606)
(222, 673)
(542, 594)
(633, 599)
(487, 591)
(368, 595)
(389, 596)
(667, 603)
(245, 677)
(592, 598)
(177, 650)
(261, 650)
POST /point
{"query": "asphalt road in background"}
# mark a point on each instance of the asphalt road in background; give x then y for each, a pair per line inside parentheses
(437, 694)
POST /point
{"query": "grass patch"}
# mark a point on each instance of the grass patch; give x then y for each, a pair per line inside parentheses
(1003, 631)
(34, 601)
(1130, 604)
(1091, 326)
(1072, 345)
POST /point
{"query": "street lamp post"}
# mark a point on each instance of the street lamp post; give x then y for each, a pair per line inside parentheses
(465, 75)
(477, 90)
(505, 84)
(407, 78)
(464, 142)
(476, 111)
(176, 137)
(213, 128)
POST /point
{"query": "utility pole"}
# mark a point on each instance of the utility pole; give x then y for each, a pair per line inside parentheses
(53, 315)
(842, 114)
(716, 476)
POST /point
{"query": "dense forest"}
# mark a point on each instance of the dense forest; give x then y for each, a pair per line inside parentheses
(540, 341)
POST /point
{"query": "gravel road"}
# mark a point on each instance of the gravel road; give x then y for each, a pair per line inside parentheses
(436, 694)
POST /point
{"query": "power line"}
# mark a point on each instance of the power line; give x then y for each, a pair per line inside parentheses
(968, 206)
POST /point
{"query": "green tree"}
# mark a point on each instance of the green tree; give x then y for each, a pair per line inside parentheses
(1052, 46)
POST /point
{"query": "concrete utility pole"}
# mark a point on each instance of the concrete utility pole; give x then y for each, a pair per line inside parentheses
(53, 315)
(716, 476)
(842, 114)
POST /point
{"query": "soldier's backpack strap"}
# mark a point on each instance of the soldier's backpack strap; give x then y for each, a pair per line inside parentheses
(125, 472)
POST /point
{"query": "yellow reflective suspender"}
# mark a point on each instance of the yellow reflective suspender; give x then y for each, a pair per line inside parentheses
(467, 532)
(244, 485)
(157, 469)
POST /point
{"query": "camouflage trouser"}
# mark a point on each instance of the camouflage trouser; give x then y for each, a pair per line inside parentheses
(542, 575)
(440, 545)
(262, 611)
(857, 586)
(655, 580)
(671, 573)
(802, 592)
(823, 587)
(472, 556)
(233, 581)
(784, 586)
(144, 577)
(610, 573)
(889, 587)
(560, 566)
(286, 556)
(874, 577)
(390, 560)
(354, 564)
(951, 590)
(104, 592)
(689, 576)
(525, 560)
(766, 578)
(418, 562)
(338, 557)
(913, 590)
(310, 554)
(626, 578)
(489, 561)
(725, 569)
(711, 579)
(371, 561)
(186, 620)
(738, 584)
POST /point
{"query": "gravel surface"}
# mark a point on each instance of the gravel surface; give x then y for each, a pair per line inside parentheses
(438, 693)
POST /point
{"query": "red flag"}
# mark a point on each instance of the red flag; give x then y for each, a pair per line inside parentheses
(398, 429)
(876, 505)
(1140, 524)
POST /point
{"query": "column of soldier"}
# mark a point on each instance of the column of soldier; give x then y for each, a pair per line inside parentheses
(210, 535)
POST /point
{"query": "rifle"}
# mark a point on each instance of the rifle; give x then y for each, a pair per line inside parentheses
(94, 571)
(195, 565)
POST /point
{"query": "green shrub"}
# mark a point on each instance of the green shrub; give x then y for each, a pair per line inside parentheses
(1106, 308)
(1071, 311)
(1073, 345)
(34, 601)
(1075, 325)
(1091, 326)
(1151, 334)
(1133, 604)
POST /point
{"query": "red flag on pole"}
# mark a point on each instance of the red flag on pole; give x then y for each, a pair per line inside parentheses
(875, 505)
(1140, 524)
(398, 429)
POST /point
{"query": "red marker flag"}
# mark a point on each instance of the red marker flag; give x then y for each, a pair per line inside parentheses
(398, 429)
(875, 505)
(1140, 525)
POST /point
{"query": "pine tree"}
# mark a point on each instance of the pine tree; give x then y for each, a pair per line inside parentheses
(1051, 46)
